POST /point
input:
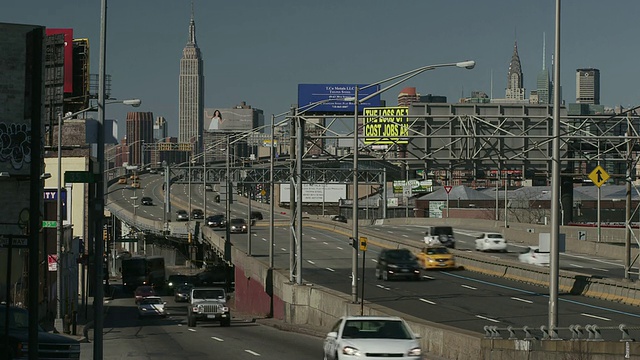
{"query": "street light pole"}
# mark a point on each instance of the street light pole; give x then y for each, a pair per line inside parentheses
(555, 186)
(99, 241)
(356, 101)
(58, 321)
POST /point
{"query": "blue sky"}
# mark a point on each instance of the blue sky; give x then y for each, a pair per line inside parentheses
(259, 51)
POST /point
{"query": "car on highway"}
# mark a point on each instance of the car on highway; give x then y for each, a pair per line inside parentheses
(216, 221)
(134, 177)
(256, 215)
(182, 293)
(152, 306)
(146, 201)
(339, 218)
(436, 257)
(197, 214)
(534, 256)
(142, 292)
(182, 215)
(135, 184)
(437, 235)
(371, 337)
(208, 187)
(122, 180)
(397, 263)
(175, 280)
(491, 242)
(238, 225)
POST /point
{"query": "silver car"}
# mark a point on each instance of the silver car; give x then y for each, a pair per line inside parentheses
(371, 337)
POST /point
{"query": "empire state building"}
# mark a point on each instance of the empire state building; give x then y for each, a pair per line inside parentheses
(191, 87)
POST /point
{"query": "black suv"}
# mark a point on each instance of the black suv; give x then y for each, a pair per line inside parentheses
(197, 214)
(147, 200)
(397, 263)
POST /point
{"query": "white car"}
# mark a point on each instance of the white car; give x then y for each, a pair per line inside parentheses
(356, 337)
(152, 306)
(534, 256)
(491, 242)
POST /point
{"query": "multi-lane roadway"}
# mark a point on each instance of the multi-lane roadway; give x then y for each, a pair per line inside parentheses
(461, 298)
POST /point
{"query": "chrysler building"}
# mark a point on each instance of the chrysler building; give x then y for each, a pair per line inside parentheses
(191, 88)
(515, 90)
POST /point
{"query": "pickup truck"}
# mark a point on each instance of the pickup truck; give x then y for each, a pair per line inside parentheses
(208, 304)
(49, 345)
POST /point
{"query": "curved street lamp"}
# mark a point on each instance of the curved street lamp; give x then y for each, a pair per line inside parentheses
(468, 64)
(132, 102)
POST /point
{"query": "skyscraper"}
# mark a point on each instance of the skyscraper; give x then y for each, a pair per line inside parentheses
(191, 88)
(588, 86)
(515, 90)
(139, 131)
(160, 130)
(543, 81)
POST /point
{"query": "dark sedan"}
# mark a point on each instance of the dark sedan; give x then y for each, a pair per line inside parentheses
(182, 215)
(216, 221)
(238, 226)
(146, 201)
(397, 263)
(197, 214)
(182, 293)
(339, 218)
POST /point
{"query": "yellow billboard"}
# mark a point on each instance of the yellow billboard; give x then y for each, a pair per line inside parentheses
(386, 125)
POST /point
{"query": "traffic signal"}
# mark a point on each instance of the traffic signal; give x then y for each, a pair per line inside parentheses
(105, 234)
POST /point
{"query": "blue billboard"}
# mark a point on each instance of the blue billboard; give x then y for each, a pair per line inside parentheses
(312, 97)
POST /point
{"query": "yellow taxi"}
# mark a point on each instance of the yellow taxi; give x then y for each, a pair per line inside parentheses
(436, 257)
(135, 177)
(122, 180)
(135, 184)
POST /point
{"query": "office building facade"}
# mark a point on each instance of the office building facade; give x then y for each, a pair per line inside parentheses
(139, 132)
(588, 86)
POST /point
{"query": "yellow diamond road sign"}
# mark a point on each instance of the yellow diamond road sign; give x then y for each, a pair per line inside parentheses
(599, 176)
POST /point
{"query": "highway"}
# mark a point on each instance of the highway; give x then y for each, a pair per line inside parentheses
(462, 299)
(126, 336)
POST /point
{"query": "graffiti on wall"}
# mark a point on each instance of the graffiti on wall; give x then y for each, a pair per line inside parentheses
(15, 144)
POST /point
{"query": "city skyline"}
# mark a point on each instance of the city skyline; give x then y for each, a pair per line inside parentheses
(259, 52)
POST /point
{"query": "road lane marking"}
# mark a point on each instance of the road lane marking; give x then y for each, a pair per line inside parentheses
(405, 235)
(283, 249)
(576, 265)
(383, 287)
(311, 262)
(469, 287)
(194, 330)
(605, 270)
(488, 319)
(252, 352)
(428, 277)
(313, 238)
(427, 301)
(523, 300)
(326, 243)
(596, 317)
(330, 269)
(339, 248)
(263, 239)
(217, 339)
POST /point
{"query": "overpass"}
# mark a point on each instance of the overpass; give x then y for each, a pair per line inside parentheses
(269, 292)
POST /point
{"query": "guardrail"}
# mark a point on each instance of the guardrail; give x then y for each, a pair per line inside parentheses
(593, 332)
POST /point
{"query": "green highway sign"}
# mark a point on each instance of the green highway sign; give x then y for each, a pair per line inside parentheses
(49, 224)
(79, 177)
